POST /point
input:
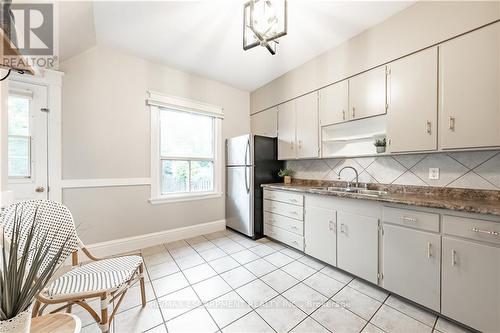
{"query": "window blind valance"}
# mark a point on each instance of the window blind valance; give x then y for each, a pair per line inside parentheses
(183, 104)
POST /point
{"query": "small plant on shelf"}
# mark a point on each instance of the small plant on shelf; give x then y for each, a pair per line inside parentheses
(380, 144)
(287, 175)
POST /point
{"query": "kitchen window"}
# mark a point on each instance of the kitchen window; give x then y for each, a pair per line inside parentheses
(186, 149)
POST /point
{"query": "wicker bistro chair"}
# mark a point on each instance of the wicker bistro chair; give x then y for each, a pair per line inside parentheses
(107, 279)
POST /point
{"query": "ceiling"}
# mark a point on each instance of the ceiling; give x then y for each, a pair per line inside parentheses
(205, 37)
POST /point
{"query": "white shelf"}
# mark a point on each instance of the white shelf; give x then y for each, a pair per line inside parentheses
(356, 137)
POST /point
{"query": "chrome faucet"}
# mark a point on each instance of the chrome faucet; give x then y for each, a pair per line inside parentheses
(355, 171)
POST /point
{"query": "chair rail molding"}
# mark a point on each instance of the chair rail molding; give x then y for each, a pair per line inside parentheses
(104, 182)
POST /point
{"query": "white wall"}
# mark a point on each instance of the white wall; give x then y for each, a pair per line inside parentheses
(419, 26)
(106, 134)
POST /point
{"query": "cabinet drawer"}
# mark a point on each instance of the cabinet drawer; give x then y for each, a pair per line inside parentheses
(295, 212)
(292, 225)
(284, 236)
(481, 230)
(291, 198)
(411, 218)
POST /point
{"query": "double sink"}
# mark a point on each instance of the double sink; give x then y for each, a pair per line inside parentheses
(353, 190)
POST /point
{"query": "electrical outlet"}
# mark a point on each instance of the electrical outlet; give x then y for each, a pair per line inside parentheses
(434, 173)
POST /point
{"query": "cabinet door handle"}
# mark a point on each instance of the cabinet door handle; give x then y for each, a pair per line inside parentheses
(300, 144)
(342, 228)
(343, 114)
(331, 225)
(451, 123)
(429, 251)
(453, 258)
(291, 143)
(488, 232)
(408, 219)
(353, 112)
(428, 127)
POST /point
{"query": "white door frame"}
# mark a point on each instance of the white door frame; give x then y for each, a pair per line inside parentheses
(52, 80)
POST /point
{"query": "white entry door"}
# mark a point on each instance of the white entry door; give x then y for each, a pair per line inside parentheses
(27, 141)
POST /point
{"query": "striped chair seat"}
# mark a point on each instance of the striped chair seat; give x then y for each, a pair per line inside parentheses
(97, 276)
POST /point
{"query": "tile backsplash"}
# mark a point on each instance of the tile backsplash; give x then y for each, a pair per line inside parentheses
(474, 170)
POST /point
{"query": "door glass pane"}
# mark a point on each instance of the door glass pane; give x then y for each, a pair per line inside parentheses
(19, 115)
(19, 156)
(185, 134)
(202, 175)
(175, 177)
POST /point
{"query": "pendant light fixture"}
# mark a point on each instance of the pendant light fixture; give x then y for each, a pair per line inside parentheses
(264, 21)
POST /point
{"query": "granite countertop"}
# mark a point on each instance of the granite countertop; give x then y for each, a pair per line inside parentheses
(464, 200)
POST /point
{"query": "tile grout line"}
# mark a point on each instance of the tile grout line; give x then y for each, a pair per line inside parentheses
(278, 293)
(190, 285)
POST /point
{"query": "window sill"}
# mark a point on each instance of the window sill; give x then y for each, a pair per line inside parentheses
(182, 198)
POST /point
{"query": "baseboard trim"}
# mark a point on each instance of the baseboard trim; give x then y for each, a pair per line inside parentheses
(128, 244)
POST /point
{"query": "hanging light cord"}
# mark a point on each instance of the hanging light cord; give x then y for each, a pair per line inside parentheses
(8, 73)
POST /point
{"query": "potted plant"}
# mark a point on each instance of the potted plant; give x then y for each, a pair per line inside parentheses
(287, 175)
(380, 144)
(24, 270)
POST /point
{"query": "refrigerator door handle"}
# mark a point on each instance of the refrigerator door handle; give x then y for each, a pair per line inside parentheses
(247, 150)
(246, 180)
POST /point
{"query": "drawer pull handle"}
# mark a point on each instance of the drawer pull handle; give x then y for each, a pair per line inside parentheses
(295, 227)
(453, 258)
(292, 200)
(408, 219)
(293, 212)
(488, 232)
(429, 251)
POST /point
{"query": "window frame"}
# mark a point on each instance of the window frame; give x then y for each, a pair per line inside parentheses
(156, 103)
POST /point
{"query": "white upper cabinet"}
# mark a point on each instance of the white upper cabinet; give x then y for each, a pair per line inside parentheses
(298, 128)
(367, 94)
(286, 131)
(412, 99)
(334, 103)
(307, 126)
(469, 75)
(265, 123)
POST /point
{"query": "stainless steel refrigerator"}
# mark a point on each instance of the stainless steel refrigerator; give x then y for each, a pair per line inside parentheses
(251, 160)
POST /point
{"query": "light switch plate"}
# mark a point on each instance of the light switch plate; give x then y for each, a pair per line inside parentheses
(434, 173)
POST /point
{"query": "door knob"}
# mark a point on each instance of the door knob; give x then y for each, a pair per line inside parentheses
(40, 189)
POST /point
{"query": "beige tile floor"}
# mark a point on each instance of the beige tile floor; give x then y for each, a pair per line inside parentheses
(224, 282)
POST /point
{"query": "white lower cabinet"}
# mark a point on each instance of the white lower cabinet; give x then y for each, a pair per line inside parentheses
(357, 245)
(320, 234)
(284, 217)
(447, 262)
(471, 284)
(411, 264)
